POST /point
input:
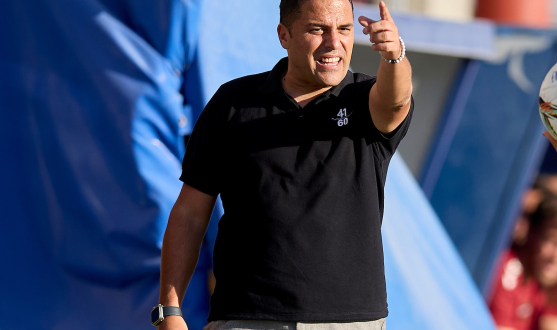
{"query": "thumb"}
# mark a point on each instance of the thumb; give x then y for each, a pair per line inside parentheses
(384, 12)
(364, 21)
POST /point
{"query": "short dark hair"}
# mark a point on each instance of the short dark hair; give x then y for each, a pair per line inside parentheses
(290, 10)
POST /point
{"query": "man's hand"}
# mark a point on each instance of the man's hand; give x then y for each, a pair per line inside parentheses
(551, 139)
(383, 34)
(173, 322)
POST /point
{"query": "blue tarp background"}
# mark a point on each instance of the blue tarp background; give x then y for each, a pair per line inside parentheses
(92, 129)
(96, 97)
(428, 285)
(489, 148)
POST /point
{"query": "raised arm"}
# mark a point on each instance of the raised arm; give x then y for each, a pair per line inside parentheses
(389, 98)
(184, 234)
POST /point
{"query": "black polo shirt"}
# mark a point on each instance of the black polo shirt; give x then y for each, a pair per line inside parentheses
(302, 191)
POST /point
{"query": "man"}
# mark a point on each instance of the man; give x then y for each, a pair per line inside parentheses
(299, 155)
(519, 301)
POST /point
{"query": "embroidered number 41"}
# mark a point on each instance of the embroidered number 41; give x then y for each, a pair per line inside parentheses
(343, 120)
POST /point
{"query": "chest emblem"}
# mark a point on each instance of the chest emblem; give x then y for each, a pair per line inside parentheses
(342, 117)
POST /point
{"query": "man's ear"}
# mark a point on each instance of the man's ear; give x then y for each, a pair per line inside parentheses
(284, 35)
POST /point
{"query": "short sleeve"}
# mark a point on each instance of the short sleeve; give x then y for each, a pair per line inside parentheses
(393, 139)
(388, 143)
(503, 303)
(202, 161)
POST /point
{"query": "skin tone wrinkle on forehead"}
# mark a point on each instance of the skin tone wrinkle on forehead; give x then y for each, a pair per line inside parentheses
(319, 45)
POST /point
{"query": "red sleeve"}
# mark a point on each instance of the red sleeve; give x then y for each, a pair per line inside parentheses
(502, 307)
(503, 302)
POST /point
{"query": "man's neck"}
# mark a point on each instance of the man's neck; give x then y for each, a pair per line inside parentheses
(302, 92)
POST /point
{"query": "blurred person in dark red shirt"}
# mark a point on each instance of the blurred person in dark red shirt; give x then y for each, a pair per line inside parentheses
(519, 301)
(548, 321)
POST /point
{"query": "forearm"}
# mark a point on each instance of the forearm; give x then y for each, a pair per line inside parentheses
(180, 252)
(391, 95)
(393, 87)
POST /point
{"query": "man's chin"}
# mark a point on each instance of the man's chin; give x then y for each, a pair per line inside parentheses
(330, 80)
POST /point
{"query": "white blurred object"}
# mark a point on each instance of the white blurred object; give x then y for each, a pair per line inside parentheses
(548, 101)
(452, 10)
(512, 48)
(554, 11)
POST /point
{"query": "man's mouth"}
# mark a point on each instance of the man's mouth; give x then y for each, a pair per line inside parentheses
(329, 61)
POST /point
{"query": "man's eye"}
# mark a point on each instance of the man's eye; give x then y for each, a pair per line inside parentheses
(317, 30)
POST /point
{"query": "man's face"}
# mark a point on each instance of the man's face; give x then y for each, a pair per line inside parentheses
(319, 42)
(545, 256)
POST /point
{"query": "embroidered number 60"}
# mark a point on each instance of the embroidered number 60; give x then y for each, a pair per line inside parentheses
(342, 122)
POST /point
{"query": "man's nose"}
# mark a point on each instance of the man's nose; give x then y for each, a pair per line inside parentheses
(332, 40)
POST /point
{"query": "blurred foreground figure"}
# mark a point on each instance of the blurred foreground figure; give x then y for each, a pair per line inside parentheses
(299, 156)
(551, 139)
(519, 301)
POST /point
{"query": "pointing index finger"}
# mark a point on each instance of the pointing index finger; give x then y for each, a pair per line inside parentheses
(384, 12)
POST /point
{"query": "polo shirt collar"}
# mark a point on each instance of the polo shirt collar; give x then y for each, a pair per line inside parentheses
(273, 83)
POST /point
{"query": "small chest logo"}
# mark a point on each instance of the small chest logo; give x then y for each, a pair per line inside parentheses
(342, 117)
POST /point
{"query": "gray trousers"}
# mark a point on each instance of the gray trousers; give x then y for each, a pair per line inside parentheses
(272, 325)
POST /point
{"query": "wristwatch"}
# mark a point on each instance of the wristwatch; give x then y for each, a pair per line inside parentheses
(159, 312)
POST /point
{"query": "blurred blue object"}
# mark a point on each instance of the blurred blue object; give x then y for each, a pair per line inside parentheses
(428, 285)
(489, 148)
(549, 163)
(93, 126)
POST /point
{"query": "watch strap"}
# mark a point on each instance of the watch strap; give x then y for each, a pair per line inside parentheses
(171, 310)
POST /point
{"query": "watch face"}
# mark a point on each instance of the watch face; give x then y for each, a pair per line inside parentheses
(156, 315)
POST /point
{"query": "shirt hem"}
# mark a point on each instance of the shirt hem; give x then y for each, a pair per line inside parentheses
(302, 317)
